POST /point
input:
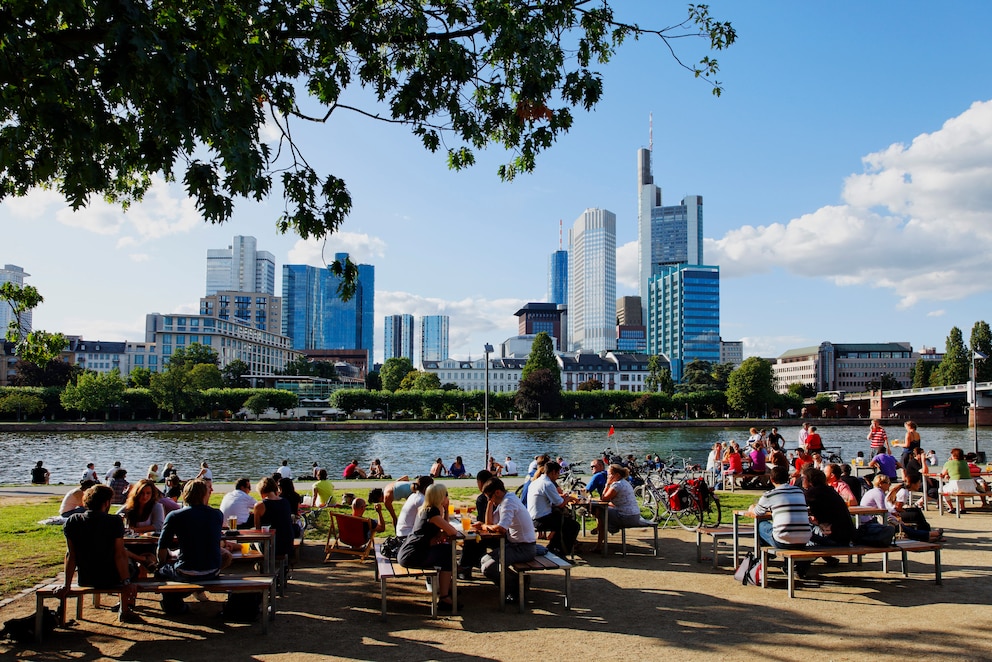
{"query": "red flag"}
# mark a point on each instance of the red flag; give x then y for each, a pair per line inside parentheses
(611, 432)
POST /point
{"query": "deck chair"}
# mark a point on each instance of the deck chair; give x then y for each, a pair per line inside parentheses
(351, 535)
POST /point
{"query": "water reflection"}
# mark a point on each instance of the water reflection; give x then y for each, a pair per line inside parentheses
(254, 454)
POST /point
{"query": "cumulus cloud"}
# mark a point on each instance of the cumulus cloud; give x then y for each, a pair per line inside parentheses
(165, 210)
(627, 265)
(474, 322)
(361, 248)
(916, 221)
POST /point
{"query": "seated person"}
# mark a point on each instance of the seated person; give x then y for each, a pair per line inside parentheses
(40, 475)
(814, 443)
(597, 483)
(882, 495)
(239, 504)
(120, 486)
(886, 463)
(72, 502)
(756, 465)
(789, 526)
(957, 473)
(857, 485)
(832, 524)
(509, 467)
(358, 507)
(545, 504)
(95, 547)
(196, 530)
(142, 512)
(623, 510)
(322, 492)
(408, 515)
(276, 512)
(354, 471)
(833, 474)
(506, 516)
(428, 545)
(457, 468)
(376, 470)
(437, 469)
(472, 551)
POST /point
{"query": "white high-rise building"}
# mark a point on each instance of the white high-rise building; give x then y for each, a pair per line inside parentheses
(241, 268)
(592, 281)
(11, 273)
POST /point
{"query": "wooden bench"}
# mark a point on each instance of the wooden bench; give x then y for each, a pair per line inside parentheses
(957, 497)
(901, 547)
(543, 563)
(718, 534)
(263, 585)
(386, 569)
(644, 524)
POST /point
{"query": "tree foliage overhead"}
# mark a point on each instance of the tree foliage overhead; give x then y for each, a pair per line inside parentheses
(96, 97)
(37, 347)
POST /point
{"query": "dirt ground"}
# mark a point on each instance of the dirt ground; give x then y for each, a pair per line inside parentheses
(638, 607)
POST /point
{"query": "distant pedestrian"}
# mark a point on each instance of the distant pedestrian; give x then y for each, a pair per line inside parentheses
(40, 475)
(110, 474)
(878, 438)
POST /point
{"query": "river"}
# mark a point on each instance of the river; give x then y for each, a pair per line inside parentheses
(255, 454)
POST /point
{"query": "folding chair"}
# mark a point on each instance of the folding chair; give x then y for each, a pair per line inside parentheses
(351, 535)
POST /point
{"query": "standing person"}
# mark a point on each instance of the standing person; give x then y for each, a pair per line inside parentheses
(775, 440)
(429, 545)
(284, 471)
(196, 530)
(911, 442)
(89, 473)
(509, 467)
(803, 433)
(789, 526)
(40, 475)
(878, 438)
(508, 517)
(95, 547)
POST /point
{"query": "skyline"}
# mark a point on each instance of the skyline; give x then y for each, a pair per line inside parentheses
(844, 177)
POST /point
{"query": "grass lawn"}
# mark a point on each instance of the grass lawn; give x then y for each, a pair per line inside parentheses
(29, 552)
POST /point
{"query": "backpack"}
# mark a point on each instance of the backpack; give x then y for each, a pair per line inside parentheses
(749, 571)
(873, 534)
(391, 547)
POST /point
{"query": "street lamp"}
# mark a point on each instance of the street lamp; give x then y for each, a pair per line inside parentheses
(487, 349)
(975, 355)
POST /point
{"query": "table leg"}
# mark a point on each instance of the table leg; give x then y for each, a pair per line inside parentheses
(502, 573)
(454, 576)
(737, 530)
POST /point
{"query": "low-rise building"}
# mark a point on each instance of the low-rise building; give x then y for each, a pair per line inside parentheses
(844, 366)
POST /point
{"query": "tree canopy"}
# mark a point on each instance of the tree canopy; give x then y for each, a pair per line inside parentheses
(752, 386)
(542, 357)
(99, 97)
(393, 371)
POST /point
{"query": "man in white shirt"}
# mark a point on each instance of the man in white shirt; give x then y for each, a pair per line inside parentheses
(407, 518)
(89, 473)
(507, 516)
(509, 467)
(284, 470)
(545, 505)
(113, 470)
(238, 503)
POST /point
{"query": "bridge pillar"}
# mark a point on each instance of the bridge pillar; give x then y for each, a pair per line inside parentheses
(983, 412)
(879, 406)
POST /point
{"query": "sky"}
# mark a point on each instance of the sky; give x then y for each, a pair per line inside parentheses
(846, 174)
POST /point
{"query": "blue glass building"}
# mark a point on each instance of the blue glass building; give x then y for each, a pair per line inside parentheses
(434, 338)
(315, 316)
(558, 278)
(684, 315)
(398, 342)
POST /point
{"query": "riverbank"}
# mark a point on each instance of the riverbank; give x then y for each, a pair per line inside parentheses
(425, 425)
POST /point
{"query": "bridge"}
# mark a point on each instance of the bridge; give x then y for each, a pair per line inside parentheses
(920, 402)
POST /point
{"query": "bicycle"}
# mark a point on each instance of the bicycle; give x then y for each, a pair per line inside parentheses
(686, 501)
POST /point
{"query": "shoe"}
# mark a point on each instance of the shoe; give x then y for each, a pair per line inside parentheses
(201, 596)
(116, 608)
(464, 574)
(831, 561)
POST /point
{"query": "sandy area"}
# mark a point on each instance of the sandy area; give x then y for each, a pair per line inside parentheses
(638, 607)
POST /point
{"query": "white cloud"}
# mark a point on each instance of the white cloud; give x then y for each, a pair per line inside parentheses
(627, 265)
(361, 248)
(936, 313)
(917, 221)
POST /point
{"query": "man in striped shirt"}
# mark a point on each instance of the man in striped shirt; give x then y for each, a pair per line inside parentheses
(877, 437)
(789, 526)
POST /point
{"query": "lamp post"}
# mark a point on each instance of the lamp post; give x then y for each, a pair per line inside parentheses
(487, 349)
(975, 355)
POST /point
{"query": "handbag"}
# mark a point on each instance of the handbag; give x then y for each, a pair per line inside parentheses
(749, 571)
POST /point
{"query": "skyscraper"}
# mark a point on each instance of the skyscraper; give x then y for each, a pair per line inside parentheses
(314, 315)
(241, 268)
(558, 277)
(684, 315)
(434, 338)
(399, 337)
(592, 269)
(11, 273)
(666, 236)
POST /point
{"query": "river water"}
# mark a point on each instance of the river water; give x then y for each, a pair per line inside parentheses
(256, 454)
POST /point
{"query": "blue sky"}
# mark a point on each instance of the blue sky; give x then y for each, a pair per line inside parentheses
(846, 174)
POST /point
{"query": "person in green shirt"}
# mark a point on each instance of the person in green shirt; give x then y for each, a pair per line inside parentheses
(323, 490)
(958, 478)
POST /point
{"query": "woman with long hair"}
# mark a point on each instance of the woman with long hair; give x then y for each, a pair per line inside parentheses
(274, 511)
(429, 545)
(142, 511)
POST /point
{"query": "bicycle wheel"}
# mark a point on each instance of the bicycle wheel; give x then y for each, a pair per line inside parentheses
(647, 502)
(712, 514)
(689, 518)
